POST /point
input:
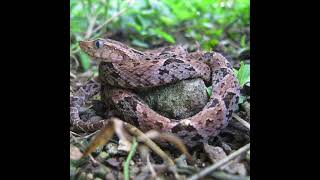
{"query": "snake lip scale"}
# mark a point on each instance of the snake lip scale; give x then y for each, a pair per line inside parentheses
(123, 70)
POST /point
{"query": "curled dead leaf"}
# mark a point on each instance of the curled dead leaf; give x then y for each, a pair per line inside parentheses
(101, 138)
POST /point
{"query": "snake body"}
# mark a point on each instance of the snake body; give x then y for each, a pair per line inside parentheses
(123, 70)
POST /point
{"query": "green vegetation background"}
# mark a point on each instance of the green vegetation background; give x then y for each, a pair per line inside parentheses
(151, 23)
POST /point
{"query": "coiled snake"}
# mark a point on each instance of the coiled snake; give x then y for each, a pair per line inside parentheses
(123, 70)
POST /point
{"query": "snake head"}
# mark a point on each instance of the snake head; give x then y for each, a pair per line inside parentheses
(106, 50)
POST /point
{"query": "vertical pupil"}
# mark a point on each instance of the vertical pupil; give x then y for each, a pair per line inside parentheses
(97, 44)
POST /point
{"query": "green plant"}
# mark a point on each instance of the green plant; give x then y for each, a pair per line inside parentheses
(150, 22)
(243, 74)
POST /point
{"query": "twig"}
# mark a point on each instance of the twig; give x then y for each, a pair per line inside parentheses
(93, 160)
(73, 138)
(130, 155)
(72, 75)
(112, 18)
(74, 134)
(89, 135)
(153, 172)
(92, 22)
(242, 121)
(75, 60)
(145, 139)
(84, 137)
(213, 167)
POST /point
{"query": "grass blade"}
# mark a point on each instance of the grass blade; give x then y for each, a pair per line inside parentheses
(130, 155)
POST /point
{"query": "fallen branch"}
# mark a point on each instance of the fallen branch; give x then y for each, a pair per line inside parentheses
(213, 167)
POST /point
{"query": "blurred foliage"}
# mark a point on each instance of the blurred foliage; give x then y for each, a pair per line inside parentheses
(243, 74)
(151, 22)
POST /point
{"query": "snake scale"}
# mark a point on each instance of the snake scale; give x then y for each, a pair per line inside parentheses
(123, 70)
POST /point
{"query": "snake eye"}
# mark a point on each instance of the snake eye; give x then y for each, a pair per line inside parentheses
(99, 44)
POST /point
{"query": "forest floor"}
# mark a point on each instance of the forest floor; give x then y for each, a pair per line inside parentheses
(107, 162)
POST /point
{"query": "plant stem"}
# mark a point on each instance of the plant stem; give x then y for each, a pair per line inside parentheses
(130, 155)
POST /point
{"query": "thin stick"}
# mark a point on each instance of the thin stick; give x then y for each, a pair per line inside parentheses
(242, 121)
(130, 155)
(92, 22)
(213, 167)
(74, 134)
(89, 135)
(136, 132)
(72, 75)
(149, 165)
(111, 18)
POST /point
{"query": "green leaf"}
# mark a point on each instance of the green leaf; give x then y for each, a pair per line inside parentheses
(243, 41)
(137, 27)
(139, 43)
(243, 73)
(168, 21)
(213, 42)
(164, 35)
(85, 62)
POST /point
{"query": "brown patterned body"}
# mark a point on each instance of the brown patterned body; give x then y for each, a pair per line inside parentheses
(126, 69)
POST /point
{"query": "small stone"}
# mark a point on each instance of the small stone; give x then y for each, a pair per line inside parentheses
(82, 176)
(110, 176)
(89, 176)
(101, 171)
(103, 155)
(87, 114)
(236, 168)
(95, 118)
(75, 153)
(111, 148)
(114, 162)
(131, 163)
(215, 153)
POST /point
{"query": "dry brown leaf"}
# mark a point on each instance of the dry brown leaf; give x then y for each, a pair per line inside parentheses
(105, 134)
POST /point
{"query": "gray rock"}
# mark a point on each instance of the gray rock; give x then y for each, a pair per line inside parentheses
(177, 101)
